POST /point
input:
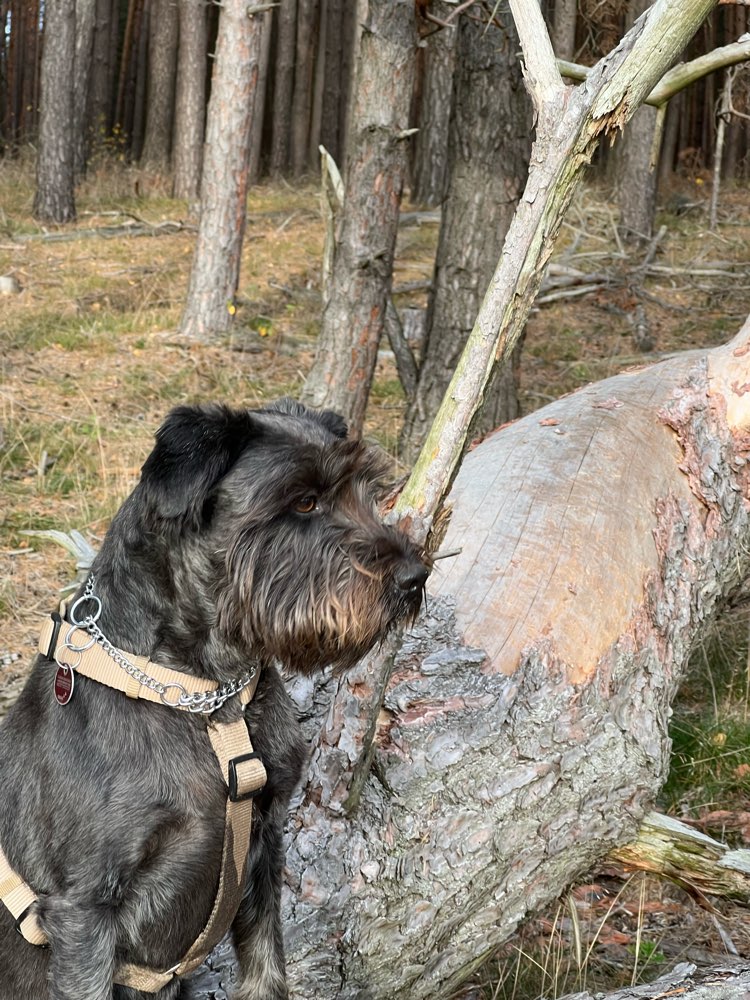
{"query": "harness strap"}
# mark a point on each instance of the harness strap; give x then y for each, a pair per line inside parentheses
(19, 899)
(244, 775)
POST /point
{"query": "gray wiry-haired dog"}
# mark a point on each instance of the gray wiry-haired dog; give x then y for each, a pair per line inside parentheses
(251, 538)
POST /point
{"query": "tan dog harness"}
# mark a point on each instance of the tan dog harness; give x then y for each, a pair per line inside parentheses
(242, 769)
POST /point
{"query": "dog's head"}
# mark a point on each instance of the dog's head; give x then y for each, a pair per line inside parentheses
(283, 507)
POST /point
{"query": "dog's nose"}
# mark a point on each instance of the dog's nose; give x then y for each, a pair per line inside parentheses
(411, 576)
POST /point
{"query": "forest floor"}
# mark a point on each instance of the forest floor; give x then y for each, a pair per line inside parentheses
(91, 361)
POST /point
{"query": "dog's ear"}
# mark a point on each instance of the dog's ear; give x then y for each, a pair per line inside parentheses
(195, 447)
(332, 422)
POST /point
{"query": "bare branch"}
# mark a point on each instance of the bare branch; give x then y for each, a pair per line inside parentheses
(542, 76)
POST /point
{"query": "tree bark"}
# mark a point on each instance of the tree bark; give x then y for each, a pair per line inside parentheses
(190, 100)
(55, 198)
(430, 169)
(216, 262)
(162, 66)
(564, 28)
(488, 160)
(524, 729)
(259, 102)
(101, 96)
(353, 320)
(731, 981)
(281, 139)
(307, 15)
(330, 135)
(85, 26)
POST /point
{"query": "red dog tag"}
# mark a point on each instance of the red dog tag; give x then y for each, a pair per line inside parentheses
(63, 685)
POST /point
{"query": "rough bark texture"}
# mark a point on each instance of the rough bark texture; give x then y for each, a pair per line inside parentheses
(216, 262)
(636, 178)
(190, 97)
(162, 62)
(307, 12)
(488, 159)
(259, 101)
(101, 96)
(85, 25)
(730, 981)
(330, 135)
(524, 729)
(284, 87)
(430, 161)
(55, 200)
(353, 320)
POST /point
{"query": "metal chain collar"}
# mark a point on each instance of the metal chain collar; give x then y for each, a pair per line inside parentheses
(199, 702)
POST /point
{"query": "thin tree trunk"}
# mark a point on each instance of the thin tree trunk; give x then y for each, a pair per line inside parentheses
(136, 122)
(190, 100)
(430, 170)
(162, 60)
(55, 200)
(488, 159)
(216, 262)
(669, 145)
(330, 135)
(318, 87)
(353, 320)
(29, 108)
(85, 27)
(636, 178)
(259, 102)
(523, 733)
(564, 28)
(283, 87)
(100, 96)
(307, 11)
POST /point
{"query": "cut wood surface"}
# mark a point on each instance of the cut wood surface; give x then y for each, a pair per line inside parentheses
(524, 730)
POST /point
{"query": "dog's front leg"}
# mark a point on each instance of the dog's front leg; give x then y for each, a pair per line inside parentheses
(82, 949)
(257, 926)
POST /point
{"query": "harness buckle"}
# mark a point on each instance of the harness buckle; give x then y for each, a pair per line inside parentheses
(235, 780)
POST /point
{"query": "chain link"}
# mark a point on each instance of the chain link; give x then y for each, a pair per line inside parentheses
(199, 702)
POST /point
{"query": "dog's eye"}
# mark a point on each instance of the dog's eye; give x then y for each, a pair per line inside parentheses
(306, 505)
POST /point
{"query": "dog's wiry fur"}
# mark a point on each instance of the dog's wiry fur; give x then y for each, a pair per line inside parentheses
(252, 537)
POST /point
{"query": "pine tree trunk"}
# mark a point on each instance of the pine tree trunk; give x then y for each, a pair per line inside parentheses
(307, 13)
(30, 103)
(564, 28)
(138, 81)
(100, 96)
(330, 135)
(636, 179)
(190, 100)
(281, 141)
(354, 317)
(216, 261)
(162, 58)
(85, 27)
(488, 158)
(524, 731)
(55, 198)
(259, 102)
(430, 170)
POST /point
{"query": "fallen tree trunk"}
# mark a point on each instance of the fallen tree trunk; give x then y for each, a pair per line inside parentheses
(685, 982)
(524, 729)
